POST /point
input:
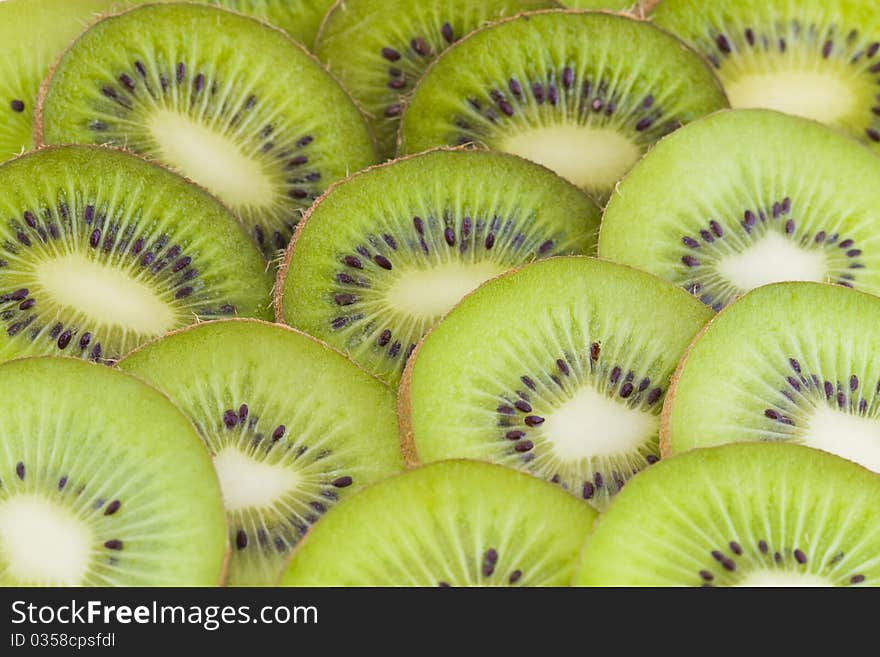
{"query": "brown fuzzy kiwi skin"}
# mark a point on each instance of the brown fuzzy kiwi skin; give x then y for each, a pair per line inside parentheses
(38, 126)
(640, 15)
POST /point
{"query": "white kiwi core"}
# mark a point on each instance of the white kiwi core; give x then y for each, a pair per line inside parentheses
(589, 157)
(772, 259)
(247, 483)
(211, 160)
(591, 424)
(780, 578)
(821, 95)
(43, 543)
(104, 294)
(850, 436)
(430, 293)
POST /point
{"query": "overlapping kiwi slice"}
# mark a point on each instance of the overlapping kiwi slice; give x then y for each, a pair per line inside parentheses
(740, 515)
(103, 482)
(788, 362)
(584, 93)
(818, 58)
(749, 197)
(292, 425)
(301, 19)
(101, 251)
(558, 369)
(456, 523)
(388, 252)
(379, 50)
(25, 60)
(178, 83)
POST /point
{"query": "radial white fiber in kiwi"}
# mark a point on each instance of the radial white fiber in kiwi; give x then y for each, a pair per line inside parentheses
(744, 198)
(456, 523)
(818, 59)
(788, 362)
(379, 50)
(92, 496)
(388, 252)
(584, 93)
(750, 514)
(225, 99)
(101, 251)
(292, 425)
(558, 369)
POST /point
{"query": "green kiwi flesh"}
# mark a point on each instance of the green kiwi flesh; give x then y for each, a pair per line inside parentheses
(379, 50)
(301, 19)
(177, 83)
(388, 252)
(101, 251)
(817, 59)
(25, 61)
(103, 482)
(456, 523)
(558, 369)
(728, 203)
(748, 514)
(584, 93)
(292, 426)
(788, 362)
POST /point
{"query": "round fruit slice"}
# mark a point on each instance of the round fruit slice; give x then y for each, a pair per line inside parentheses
(744, 198)
(293, 426)
(584, 93)
(301, 19)
(380, 49)
(740, 515)
(457, 523)
(558, 369)
(217, 96)
(388, 252)
(819, 60)
(103, 482)
(101, 251)
(32, 35)
(788, 362)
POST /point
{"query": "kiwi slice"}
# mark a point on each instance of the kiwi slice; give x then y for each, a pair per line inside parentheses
(558, 369)
(584, 93)
(787, 362)
(744, 198)
(456, 523)
(301, 19)
(103, 482)
(389, 251)
(220, 98)
(740, 515)
(32, 35)
(101, 251)
(292, 425)
(817, 59)
(380, 49)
